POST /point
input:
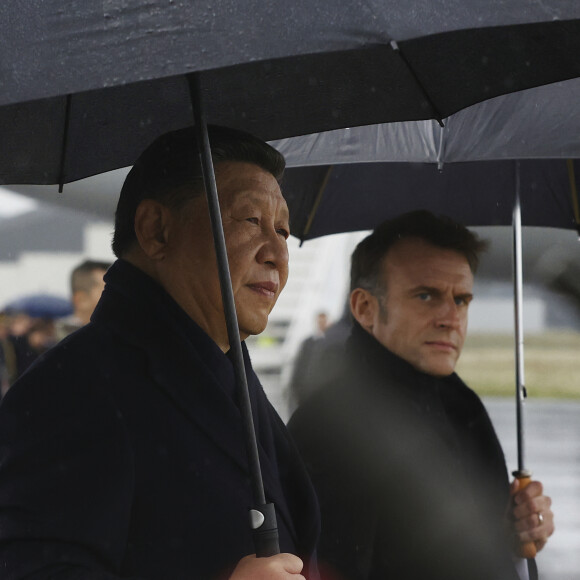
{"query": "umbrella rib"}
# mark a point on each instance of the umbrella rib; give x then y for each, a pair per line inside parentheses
(437, 114)
(316, 203)
(64, 147)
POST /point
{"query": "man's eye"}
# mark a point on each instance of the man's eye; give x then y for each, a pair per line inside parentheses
(460, 301)
(424, 296)
(283, 232)
(253, 220)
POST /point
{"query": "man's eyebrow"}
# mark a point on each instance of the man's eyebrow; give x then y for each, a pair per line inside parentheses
(258, 199)
(436, 291)
(465, 296)
(423, 288)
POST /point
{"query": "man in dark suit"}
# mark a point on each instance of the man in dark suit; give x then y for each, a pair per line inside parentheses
(410, 476)
(121, 451)
(307, 371)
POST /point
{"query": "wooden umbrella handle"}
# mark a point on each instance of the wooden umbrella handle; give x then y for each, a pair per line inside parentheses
(527, 550)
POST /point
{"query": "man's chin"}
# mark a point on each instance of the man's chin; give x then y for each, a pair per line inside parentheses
(438, 368)
(252, 329)
(442, 372)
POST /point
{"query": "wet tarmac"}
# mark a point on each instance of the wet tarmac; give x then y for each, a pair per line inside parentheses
(553, 455)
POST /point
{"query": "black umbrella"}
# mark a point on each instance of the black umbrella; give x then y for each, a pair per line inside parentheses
(328, 199)
(86, 88)
(540, 124)
(352, 179)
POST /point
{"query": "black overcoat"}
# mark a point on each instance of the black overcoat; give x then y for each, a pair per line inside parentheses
(122, 452)
(410, 476)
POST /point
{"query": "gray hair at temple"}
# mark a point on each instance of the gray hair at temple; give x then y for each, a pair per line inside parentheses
(440, 231)
(169, 171)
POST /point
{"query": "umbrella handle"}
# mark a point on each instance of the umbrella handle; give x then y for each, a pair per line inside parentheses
(527, 550)
(265, 530)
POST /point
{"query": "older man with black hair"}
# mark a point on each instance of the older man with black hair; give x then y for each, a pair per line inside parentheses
(410, 476)
(121, 451)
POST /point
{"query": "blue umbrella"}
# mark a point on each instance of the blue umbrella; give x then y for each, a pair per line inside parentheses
(40, 306)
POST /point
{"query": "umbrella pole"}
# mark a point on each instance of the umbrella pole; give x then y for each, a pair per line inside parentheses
(263, 515)
(527, 550)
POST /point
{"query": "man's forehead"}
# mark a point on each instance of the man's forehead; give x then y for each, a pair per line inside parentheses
(261, 198)
(422, 250)
(423, 263)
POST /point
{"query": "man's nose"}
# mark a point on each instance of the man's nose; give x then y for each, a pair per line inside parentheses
(449, 314)
(274, 251)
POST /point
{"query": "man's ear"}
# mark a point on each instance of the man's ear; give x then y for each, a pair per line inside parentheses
(363, 306)
(152, 224)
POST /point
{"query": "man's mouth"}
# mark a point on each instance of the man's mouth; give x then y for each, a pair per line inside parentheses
(267, 289)
(442, 345)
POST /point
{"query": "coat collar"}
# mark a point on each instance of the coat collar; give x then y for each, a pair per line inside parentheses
(406, 381)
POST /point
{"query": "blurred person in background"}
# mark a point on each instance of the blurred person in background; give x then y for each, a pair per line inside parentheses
(22, 340)
(38, 339)
(306, 368)
(323, 365)
(86, 287)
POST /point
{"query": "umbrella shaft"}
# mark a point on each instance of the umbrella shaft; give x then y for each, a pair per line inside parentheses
(263, 517)
(519, 332)
(228, 296)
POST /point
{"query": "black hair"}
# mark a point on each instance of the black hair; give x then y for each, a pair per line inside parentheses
(169, 171)
(440, 231)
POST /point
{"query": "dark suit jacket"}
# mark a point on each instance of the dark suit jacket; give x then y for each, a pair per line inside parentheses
(122, 453)
(410, 476)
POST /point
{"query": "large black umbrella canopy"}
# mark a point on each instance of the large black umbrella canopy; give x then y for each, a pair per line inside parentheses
(343, 198)
(537, 124)
(110, 76)
(352, 179)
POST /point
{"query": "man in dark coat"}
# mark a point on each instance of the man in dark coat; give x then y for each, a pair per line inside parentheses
(409, 473)
(122, 451)
(306, 373)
